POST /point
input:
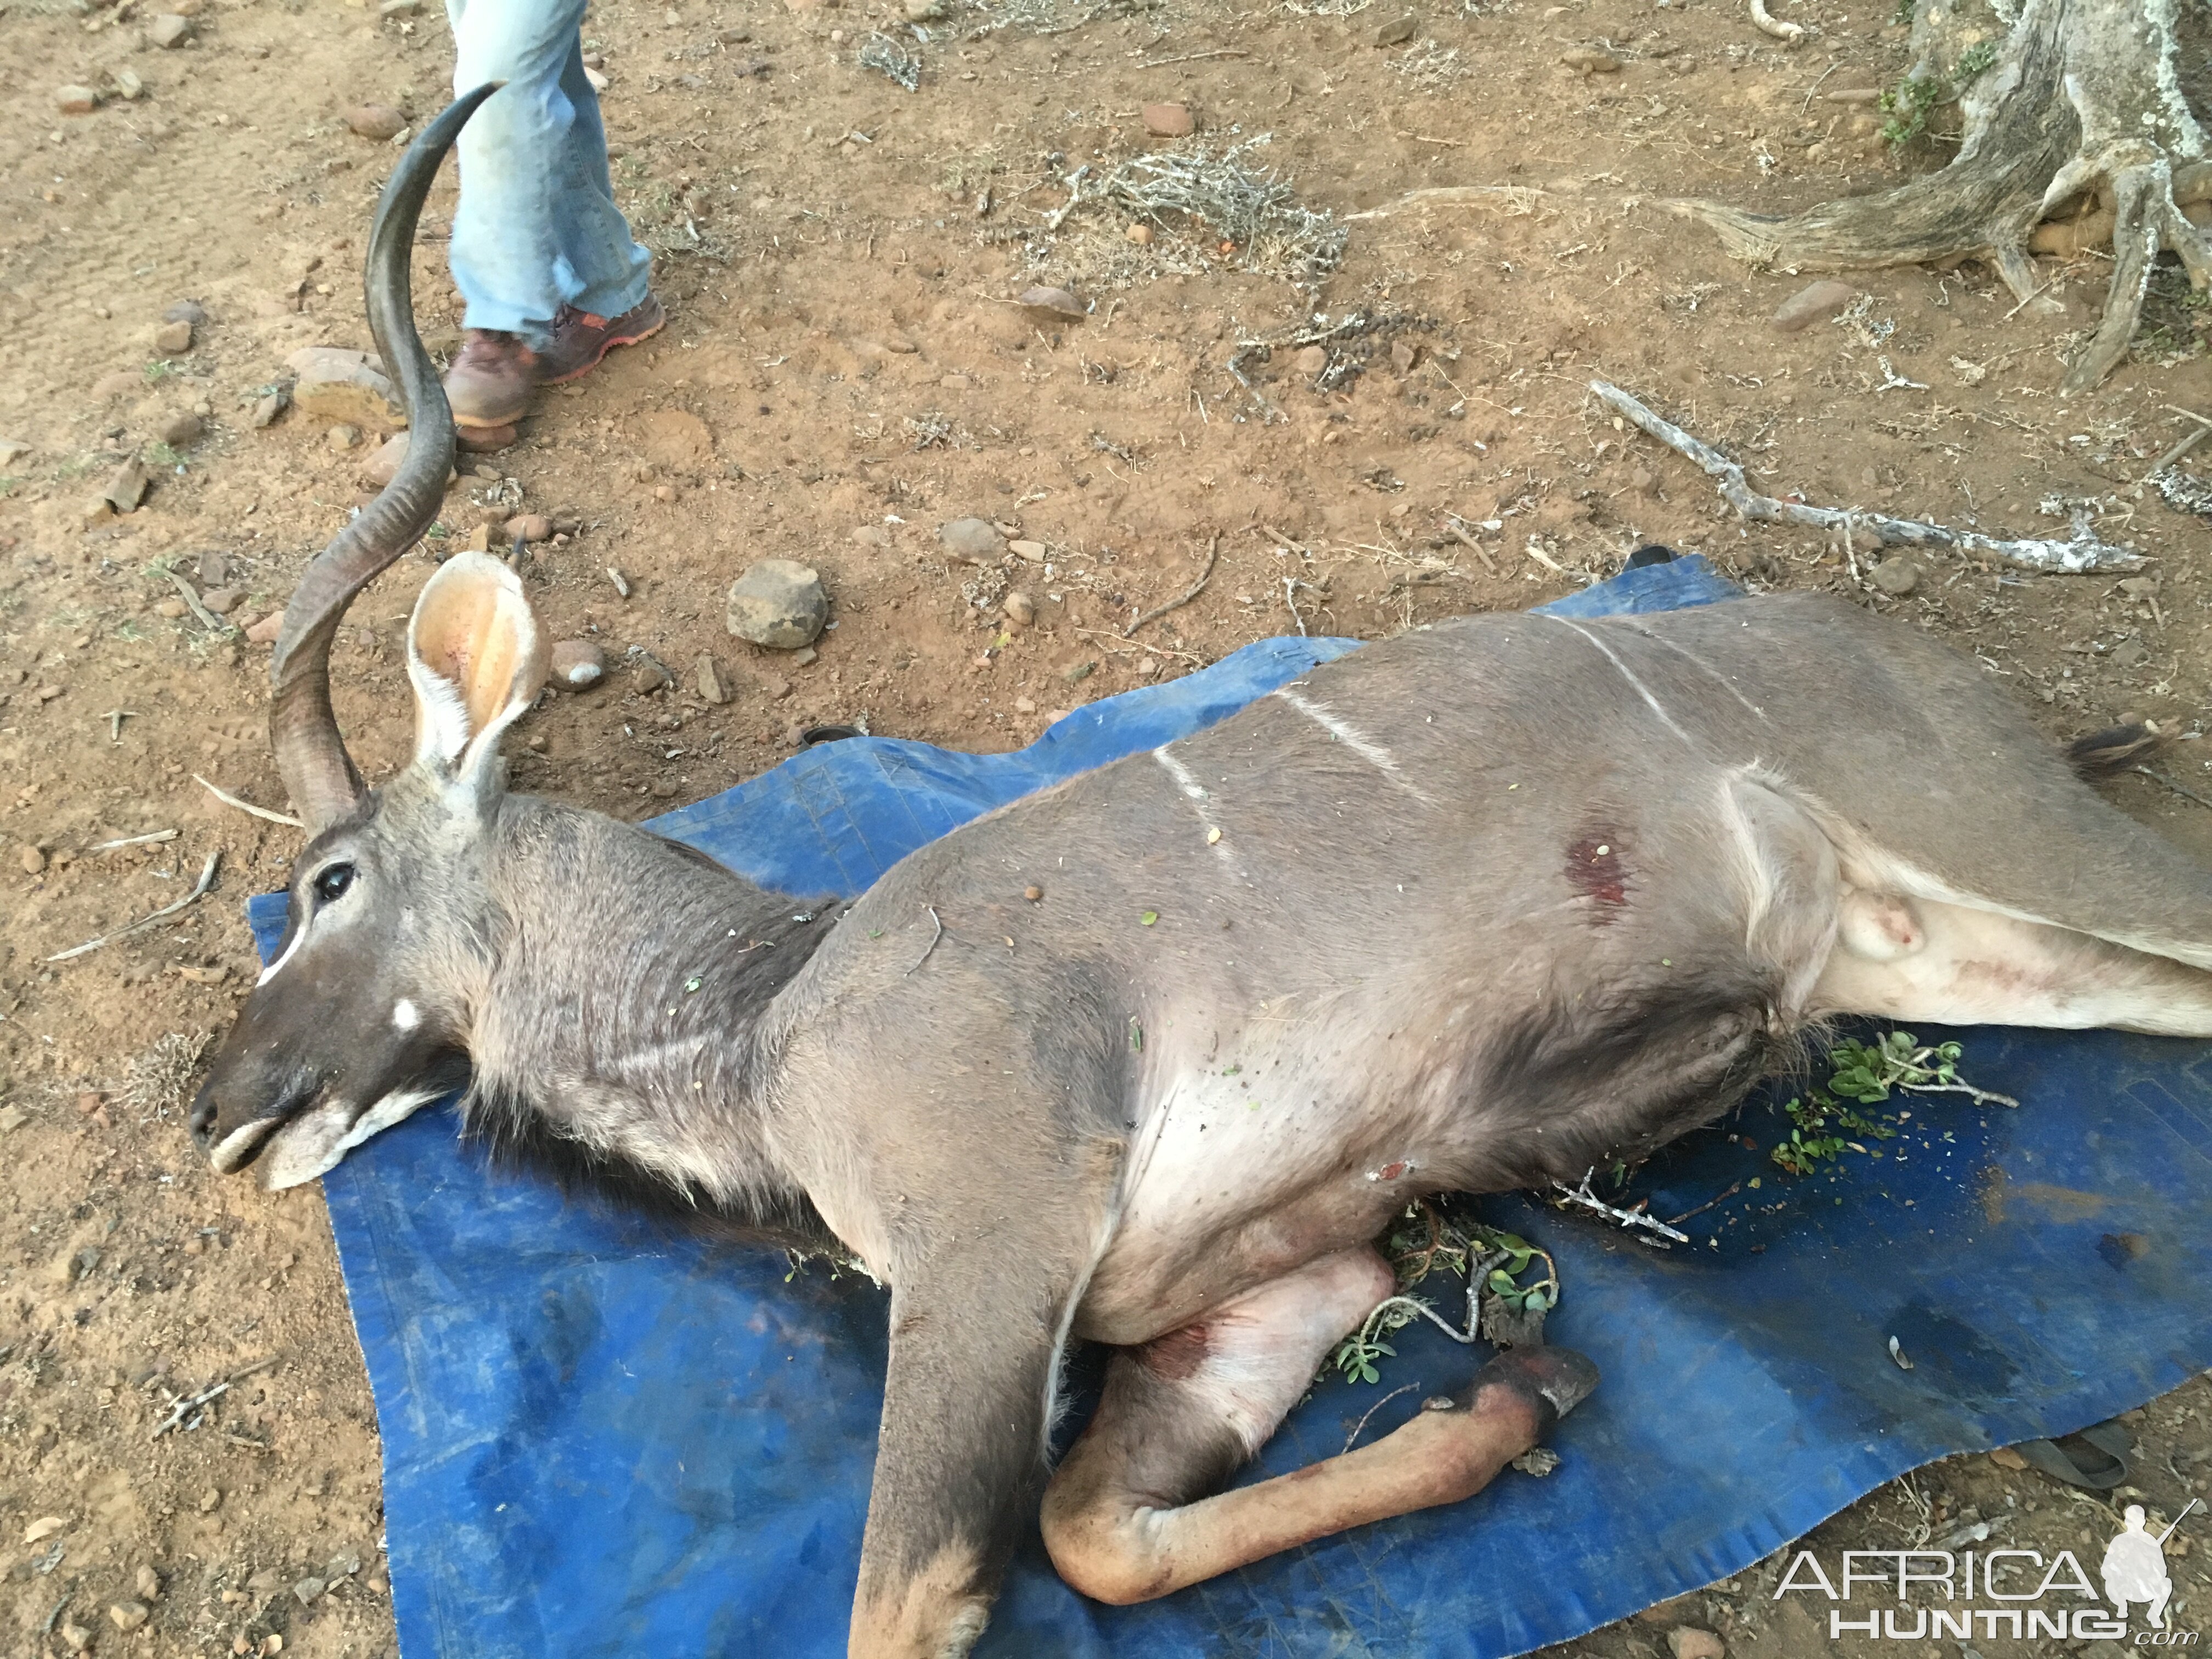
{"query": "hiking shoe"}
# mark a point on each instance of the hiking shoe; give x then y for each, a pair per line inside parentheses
(579, 339)
(491, 377)
(494, 373)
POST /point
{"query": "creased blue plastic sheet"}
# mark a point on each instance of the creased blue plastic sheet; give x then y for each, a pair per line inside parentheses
(602, 1440)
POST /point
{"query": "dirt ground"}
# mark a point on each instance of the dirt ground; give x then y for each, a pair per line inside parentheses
(843, 372)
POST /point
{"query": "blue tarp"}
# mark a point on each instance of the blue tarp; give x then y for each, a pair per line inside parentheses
(600, 1440)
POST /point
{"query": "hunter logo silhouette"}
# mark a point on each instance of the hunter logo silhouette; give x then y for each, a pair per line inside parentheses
(2135, 1566)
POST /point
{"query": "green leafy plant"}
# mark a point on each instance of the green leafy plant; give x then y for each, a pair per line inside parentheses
(1867, 1072)
(1424, 1241)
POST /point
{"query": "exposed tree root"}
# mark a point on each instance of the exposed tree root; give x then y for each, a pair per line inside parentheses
(2080, 98)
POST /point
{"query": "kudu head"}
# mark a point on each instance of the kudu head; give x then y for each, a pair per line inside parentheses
(357, 1020)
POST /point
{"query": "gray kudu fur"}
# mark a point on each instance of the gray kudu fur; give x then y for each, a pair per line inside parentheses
(1471, 909)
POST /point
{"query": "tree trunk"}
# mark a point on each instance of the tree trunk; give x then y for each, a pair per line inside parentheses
(2065, 101)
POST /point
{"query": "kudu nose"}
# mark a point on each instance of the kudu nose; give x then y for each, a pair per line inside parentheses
(202, 1121)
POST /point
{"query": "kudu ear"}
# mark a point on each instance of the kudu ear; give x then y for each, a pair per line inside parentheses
(476, 659)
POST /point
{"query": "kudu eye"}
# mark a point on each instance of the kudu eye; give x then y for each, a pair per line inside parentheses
(331, 884)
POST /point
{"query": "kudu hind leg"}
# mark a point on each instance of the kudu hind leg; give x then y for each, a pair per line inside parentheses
(1923, 960)
(1126, 1518)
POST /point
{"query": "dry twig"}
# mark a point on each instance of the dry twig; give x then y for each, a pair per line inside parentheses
(1590, 1200)
(229, 799)
(2083, 552)
(1212, 552)
(206, 881)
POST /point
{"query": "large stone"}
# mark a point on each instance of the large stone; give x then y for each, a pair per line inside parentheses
(977, 541)
(1896, 575)
(778, 603)
(1810, 305)
(577, 664)
(376, 121)
(342, 385)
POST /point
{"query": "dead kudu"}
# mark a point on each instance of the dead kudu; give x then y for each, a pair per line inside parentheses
(1471, 909)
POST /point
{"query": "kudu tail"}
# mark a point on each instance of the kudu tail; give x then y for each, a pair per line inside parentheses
(303, 729)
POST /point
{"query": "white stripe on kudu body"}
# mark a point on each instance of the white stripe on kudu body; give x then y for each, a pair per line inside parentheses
(1640, 690)
(1366, 748)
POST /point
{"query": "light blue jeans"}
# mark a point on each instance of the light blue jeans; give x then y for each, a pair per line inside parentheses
(537, 228)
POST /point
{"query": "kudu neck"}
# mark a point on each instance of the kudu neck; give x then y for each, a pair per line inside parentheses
(618, 1035)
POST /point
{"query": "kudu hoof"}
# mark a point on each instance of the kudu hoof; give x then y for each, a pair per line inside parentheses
(1549, 1382)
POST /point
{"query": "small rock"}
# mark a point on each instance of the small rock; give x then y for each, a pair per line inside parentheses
(48, 693)
(1396, 32)
(1591, 61)
(340, 384)
(265, 631)
(1057, 301)
(267, 409)
(1810, 305)
(12, 450)
(663, 492)
(172, 609)
(804, 656)
(384, 462)
(221, 600)
(648, 677)
(924, 11)
(77, 101)
(2128, 653)
(215, 568)
(1896, 576)
(46, 1525)
(344, 436)
(956, 382)
(309, 1591)
(1033, 551)
(1140, 234)
(778, 603)
(1688, 1642)
(174, 339)
(167, 30)
(129, 1616)
(1026, 705)
(2006, 1458)
(1644, 483)
(774, 686)
(35, 864)
(1168, 120)
(377, 122)
(872, 535)
(127, 487)
(209, 1500)
(577, 664)
(977, 541)
(181, 428)
(707, 675)
(1310, 361)
(147, 1582)
(1853, 95)
(1020, 609)
(2139, 587)
(530, 527)
(129, 85)
(74, 1637)
(900, 345)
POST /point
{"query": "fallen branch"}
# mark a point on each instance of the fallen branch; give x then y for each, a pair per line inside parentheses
(1212, 552)
(229, 799)
(1471, 544)
(2083, 552)
(206, 881)
(2181, 790)
(180, 1408)
(208, 619)
(134, 841)
(1982, 1097)
(1769, 23)
(1521, 195)
(1590, 1200)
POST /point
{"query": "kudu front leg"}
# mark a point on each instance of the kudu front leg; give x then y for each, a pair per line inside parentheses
(960, 1457)
(1126, 1518)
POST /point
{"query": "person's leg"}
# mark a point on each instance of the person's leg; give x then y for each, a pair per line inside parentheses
(551, 276)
